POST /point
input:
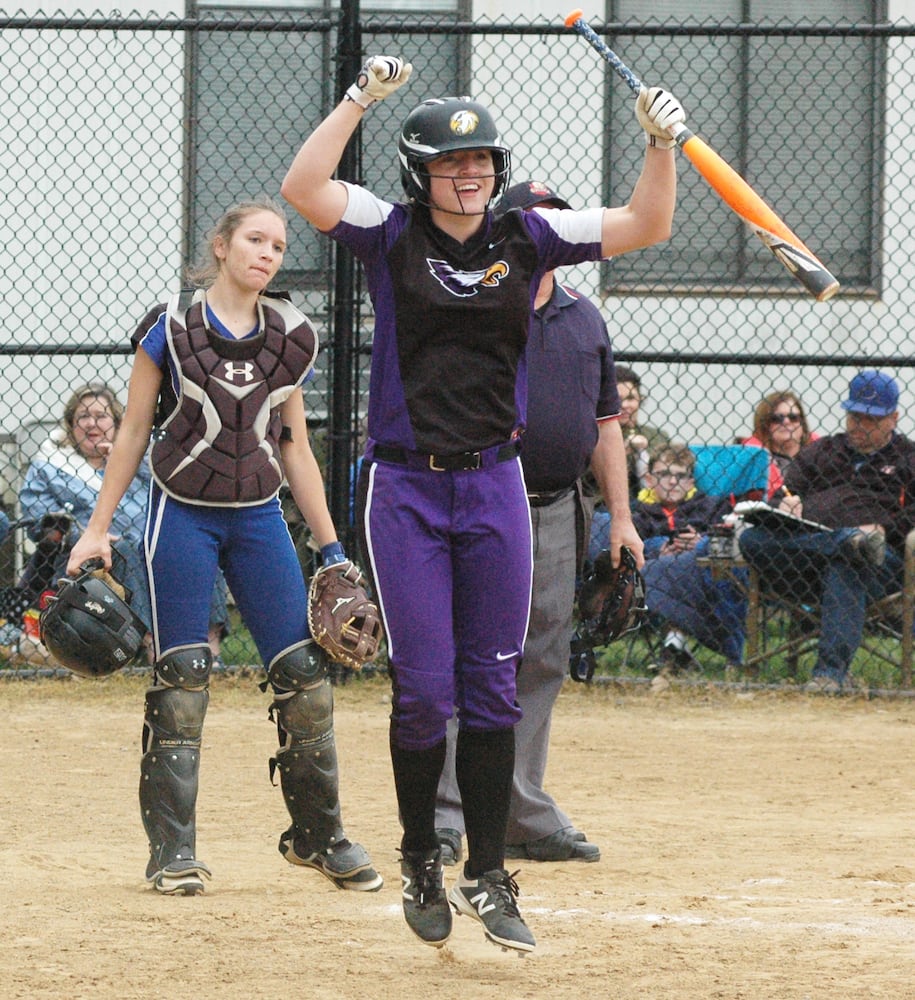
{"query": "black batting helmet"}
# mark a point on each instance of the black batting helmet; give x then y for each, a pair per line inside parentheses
(88, 628)
(442, 125)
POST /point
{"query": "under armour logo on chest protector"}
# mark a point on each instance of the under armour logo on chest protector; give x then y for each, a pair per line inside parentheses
(220, 445)
(233, 373)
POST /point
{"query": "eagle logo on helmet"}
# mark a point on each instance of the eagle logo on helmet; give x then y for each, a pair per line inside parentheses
(464, 122)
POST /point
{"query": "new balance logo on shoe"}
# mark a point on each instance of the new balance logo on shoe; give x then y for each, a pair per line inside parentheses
(491, 899)
(425, 907)
(482, 903)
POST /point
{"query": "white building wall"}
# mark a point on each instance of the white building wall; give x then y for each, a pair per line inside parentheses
(733, 324)
(76, 206)
(92, 202)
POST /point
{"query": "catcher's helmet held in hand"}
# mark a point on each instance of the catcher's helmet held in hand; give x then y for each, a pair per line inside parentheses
(443, 125)
(88, 628)
(611, 602)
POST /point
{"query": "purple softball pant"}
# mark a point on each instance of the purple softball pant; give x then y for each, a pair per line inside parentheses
(450, 555)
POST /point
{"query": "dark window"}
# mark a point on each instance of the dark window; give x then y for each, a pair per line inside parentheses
(255, 96)
(798, 116)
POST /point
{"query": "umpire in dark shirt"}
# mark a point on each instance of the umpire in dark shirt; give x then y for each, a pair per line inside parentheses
(573, 409)
(862, 485)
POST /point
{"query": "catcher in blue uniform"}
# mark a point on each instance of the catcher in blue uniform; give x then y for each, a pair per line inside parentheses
(442, 506)
(219, 371)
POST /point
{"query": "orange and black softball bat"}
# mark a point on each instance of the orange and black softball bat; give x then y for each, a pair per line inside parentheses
(789, 250)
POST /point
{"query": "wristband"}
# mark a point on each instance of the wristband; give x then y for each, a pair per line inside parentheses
(332, 553)
(357, 95)
(658, 142)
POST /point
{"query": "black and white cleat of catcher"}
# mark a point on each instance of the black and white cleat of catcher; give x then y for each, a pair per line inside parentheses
(180, 878)
(348, 866)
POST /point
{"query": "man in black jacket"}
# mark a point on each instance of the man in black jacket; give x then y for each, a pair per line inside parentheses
(861, 484)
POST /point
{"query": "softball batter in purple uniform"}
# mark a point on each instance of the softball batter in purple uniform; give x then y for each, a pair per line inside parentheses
(224, 365)
(442, 511)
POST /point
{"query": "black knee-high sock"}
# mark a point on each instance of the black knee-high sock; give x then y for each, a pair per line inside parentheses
(416, 774)
(485, 763)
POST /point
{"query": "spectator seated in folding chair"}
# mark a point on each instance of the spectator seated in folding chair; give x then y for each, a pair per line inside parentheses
(59, 494)
(684, 596)
(780, 426)
(860, 486)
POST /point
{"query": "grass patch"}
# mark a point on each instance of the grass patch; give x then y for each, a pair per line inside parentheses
(636, 655)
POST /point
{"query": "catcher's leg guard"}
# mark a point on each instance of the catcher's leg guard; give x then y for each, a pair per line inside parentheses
(307, 764)
(172, 734)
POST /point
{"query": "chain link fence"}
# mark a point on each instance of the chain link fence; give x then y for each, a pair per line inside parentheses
(123, 139)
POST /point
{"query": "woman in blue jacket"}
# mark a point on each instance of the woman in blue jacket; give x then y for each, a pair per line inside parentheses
(61, 489)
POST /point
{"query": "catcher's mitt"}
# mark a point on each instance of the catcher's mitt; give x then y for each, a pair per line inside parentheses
(611, 602)
(342, 618)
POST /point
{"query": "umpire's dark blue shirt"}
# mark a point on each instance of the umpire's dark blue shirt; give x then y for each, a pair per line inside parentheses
(571, 385)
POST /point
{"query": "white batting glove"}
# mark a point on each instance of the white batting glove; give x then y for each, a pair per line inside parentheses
(657, 109)
(379, 77)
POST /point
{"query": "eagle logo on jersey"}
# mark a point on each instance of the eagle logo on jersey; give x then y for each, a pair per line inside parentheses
(465, 283)
(464, 122)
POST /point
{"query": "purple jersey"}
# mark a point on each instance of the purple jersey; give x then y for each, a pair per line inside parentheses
(451, 319)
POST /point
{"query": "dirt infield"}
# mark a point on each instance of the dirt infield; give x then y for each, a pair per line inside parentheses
(754, 846)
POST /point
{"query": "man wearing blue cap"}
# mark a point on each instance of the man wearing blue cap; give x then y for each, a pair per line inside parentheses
(861, 484)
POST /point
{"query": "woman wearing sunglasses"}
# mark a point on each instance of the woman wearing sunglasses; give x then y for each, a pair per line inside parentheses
(780, 426)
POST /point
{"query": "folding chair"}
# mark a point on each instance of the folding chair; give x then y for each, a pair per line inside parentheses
(737, 471)
(780, 626)
(732, 470)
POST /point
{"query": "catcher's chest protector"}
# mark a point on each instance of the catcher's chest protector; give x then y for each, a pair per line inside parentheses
(220, 446)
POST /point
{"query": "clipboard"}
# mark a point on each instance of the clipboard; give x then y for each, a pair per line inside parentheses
(765, 516)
